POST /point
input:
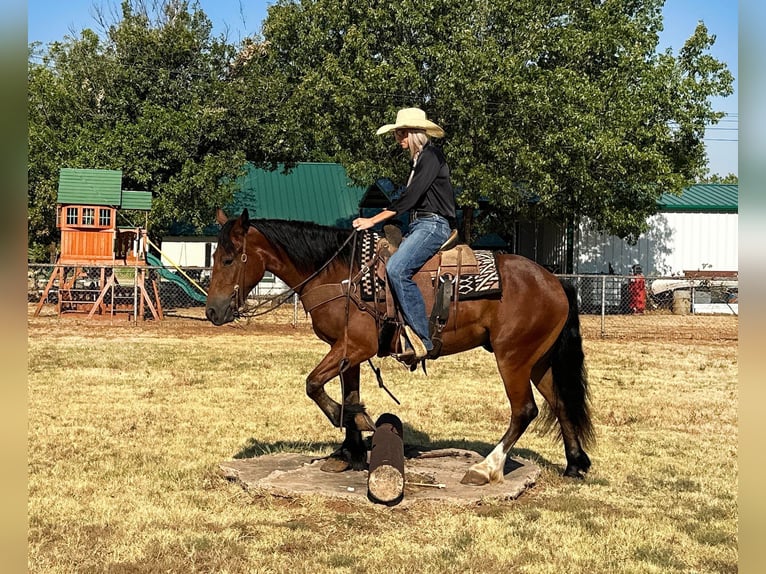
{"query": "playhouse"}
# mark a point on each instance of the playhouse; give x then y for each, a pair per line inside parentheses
(94, 246)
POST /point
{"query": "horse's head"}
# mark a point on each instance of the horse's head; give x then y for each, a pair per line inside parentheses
(236, 269)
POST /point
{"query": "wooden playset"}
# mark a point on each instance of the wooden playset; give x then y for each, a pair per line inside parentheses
(93, 248)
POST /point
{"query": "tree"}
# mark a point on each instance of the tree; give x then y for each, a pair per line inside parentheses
(149, 99)
(565, 104)
(717, 178)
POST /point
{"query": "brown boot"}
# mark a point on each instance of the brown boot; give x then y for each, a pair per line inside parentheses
(417, 344)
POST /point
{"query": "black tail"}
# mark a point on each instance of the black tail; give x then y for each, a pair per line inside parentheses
(570, 378)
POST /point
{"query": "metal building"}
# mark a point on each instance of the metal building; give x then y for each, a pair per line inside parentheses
(696, 231)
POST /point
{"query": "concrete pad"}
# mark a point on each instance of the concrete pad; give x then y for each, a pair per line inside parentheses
(429, 475)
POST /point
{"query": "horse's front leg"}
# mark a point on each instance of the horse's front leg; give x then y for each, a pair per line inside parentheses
(353, 452)
(351, 415)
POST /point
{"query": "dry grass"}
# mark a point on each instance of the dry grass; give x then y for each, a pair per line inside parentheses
(127, 425)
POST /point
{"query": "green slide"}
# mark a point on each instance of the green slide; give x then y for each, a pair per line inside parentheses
(179, 280)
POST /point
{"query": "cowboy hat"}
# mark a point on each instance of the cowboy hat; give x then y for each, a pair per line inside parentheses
(412, 118)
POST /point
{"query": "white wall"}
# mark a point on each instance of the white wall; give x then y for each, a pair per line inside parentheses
(675, 242)
(186, 252)
(703, 241)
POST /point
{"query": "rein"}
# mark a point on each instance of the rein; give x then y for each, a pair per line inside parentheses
(344, 362)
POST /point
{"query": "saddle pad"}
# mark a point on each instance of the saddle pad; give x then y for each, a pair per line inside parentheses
(486, 282)
(474, 286)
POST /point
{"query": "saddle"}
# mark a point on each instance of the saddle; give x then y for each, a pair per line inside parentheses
(437, 280)
(456, 272)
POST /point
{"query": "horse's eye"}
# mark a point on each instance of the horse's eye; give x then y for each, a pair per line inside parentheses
(228, 261)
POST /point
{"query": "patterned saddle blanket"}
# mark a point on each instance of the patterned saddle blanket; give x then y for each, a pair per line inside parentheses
(478, 277)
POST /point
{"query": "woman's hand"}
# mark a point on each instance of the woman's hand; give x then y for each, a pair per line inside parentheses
(362, 223)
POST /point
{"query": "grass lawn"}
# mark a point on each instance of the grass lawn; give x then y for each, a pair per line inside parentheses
(127, 425)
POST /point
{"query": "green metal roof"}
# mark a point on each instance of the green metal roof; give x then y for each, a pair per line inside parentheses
(136, 200)
(99, 187)
(318, 192)
(90, 186)
(720, 198)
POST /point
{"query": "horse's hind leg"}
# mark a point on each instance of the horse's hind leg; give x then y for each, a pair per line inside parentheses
(523, 411)
(578, 461)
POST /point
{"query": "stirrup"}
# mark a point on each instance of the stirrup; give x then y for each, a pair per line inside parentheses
(407, 358)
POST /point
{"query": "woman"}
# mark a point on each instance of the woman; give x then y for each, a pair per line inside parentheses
(431, 202)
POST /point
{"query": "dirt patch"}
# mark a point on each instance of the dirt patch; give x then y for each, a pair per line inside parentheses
(430, 475)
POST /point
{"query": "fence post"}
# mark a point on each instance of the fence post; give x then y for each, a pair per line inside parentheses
(603, 304)
(114, 280)
(691, 299)
(135, 295)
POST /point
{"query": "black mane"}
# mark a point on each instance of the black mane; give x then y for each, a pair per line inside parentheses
(308, 245)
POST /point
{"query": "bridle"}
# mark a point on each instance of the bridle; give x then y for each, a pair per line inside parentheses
(239, 298)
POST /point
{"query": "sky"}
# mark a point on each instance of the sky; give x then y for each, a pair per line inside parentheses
(52, 20)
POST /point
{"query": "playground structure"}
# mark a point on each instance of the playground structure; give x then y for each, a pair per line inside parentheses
(102, 269)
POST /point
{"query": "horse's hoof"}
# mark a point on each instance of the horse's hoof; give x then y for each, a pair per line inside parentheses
(358, 464)
(574, 472)
(474, 478)
(497, 479)
(335, 465)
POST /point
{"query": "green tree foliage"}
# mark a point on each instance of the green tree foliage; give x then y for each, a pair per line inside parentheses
(149, 99)
(562, 105)
(717, 178)
(565, 105)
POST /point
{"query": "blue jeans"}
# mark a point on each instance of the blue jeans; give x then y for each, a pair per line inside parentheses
(422, 241)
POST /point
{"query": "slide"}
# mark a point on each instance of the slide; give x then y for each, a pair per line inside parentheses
(166, 273)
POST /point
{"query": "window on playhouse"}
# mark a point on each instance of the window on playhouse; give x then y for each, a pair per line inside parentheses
(83, 216)
(88, 216)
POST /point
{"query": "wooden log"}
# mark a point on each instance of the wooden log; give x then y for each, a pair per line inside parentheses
(385, 482)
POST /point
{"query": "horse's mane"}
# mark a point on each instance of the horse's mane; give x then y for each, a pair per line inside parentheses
(308, 245)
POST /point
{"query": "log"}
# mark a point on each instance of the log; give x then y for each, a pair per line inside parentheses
(385, 482)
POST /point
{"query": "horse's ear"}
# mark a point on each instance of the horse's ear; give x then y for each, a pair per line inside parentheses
(244, 219)
(221, 217)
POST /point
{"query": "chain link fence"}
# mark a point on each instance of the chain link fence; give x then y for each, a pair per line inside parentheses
(634, 306)
(136, 292)
(610, 305)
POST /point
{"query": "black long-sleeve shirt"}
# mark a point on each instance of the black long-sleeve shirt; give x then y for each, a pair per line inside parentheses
(429, 188)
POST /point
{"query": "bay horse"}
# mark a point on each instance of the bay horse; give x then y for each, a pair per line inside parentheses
(532, 328)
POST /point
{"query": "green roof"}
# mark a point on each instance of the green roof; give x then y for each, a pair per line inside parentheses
(318, 192)
(136, 200)
(90, 187)
(99, 187)
(720, 198)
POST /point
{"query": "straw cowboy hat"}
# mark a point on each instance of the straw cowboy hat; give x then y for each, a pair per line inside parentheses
(412, 118)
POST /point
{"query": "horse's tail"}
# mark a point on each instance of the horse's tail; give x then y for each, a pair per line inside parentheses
(570, 378)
